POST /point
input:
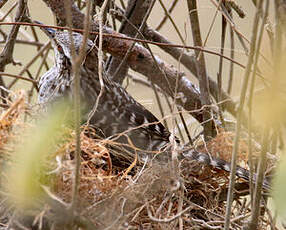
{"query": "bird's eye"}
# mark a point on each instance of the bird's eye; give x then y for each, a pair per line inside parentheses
(60, 49)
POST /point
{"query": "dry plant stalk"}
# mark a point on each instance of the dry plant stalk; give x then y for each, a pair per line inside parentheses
(9, 118)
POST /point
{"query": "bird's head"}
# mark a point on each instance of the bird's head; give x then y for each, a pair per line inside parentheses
(61, 41)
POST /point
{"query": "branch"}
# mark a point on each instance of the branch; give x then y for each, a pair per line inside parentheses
(2, 3)
(140, 60)
(134, 18)
(201, 68)
(6, 56)
(190, 62)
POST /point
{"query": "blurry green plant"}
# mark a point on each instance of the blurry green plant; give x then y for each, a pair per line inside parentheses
(30, 166)
(279, 187)
(277, 108)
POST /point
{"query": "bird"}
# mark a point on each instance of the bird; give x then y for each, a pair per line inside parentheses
(118, 115)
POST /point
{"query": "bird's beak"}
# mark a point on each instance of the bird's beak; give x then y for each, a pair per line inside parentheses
(48, 31)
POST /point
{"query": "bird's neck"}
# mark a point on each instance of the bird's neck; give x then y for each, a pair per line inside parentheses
(62, 62)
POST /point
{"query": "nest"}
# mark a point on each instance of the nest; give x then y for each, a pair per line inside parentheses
(178, 195)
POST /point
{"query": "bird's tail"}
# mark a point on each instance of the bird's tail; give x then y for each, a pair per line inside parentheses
(221, 164)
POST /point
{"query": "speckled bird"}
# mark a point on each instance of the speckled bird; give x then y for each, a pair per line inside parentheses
(118, 114)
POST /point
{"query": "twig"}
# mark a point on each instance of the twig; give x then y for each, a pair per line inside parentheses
(9, 11)
(43, 61)
(165, 220)
(180, 207)
(219, 75)
(239, 118)
(250, 100)
(120, 215)
(19, 77)
(37, 40)
(201, 69)
(232, 4)
(53, 196)
(172, 7)
(6, 56)
(19, 41)
(205, 224)
(27, 66)
(2, 3)
(172, 22)
(231, 68)
(76, 114)
(100, 61)
(261, 169)
(136, 14)
(149, 8)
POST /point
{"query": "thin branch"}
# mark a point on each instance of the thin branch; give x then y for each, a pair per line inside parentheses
(37, 40)
(146, 10)
(201, 69)
(76, 113)
(253, 225)
(18, 41)
(165, 220)
(77, 61)
(2, 3)
(219, 75)
(19, 77)
(27, 66)
(231, 68)
(172, 22)
(7, 13)
(6, 56)
(135, 17)
(250, 100)
(239, 117)
(100, 60)
(170, 10)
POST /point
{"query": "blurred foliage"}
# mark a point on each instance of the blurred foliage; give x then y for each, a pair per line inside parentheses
(279, 187)
(29, 168)
(275, 113)
(269, 104)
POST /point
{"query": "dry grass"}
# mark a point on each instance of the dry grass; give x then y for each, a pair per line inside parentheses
(146, 197)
